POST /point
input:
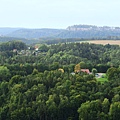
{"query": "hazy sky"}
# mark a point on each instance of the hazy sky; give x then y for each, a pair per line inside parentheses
(58, 13)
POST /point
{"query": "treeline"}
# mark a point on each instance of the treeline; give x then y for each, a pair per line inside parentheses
(11, 45)
(95, 56)
(7, 38)
(55, 40)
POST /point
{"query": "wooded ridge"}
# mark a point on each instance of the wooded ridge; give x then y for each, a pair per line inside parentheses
(75, 31)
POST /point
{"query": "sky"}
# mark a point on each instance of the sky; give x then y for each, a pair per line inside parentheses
(59, 13)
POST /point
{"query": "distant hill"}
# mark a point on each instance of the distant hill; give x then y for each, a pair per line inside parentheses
(5, 30)
(27, 41)
(35, 33)
(75, 31)
(6, 39)
(91, 27)
(90, 31)
(88, 34)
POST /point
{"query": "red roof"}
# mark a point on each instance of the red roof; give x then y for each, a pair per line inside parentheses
(85, 70)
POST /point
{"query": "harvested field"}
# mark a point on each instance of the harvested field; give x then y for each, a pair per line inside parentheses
(104, 42)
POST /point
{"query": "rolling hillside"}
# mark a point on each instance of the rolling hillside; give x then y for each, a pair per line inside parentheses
(6, 30)
(35, 33)
(75, 31)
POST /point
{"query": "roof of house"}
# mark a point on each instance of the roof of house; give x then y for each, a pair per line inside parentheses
(85, 70)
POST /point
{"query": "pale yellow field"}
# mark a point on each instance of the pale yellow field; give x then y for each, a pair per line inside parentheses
(104, 42)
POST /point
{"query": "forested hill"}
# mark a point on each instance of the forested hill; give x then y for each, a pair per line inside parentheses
(35, 33)
(90, 31)
(6, 30)
(91, 27)
(6, 39)
(40, 84)
(75, 31)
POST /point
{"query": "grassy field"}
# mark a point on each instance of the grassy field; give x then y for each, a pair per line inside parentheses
(104, 42)
(102, 79)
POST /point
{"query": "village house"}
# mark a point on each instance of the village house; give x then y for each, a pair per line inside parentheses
(85, 70)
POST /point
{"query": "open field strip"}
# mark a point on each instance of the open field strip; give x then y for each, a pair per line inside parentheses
(104, 42)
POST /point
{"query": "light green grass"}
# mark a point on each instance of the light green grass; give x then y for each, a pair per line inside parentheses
(102, 79)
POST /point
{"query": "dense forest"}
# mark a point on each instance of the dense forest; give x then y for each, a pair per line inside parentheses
(37, 82)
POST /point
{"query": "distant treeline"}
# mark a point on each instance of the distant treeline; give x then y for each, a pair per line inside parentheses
(67, 40)
(55, 40)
